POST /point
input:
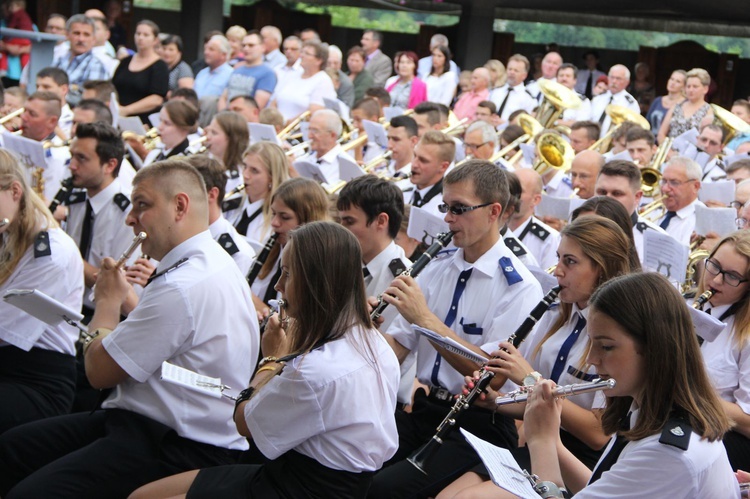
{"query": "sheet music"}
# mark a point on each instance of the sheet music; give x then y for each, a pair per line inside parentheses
(424, 226)
(450, 344)
(41, 306)
(504, 470)
(29, 152)
(310, 170)
(547, 281)
(154, 119)
(390, 112)
(131, 124)
(348, 168)
(719, 220)
(190, 379)
(375, 133)
(551, 206)
(260, 132)
(721, 191)
(707, 326)
(665, 255)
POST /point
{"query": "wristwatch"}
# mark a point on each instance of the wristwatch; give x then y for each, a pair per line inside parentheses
(531, 378)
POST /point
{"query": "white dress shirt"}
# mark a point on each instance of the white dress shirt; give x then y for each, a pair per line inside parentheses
(580, 113)
(600, 103)
(498, 296)
(682, 225)
(559, 186)
(518, 99)
(431, 205)
(59, 275)
(256, 233)
(198, 316)
(233, 243)
(335, 404)
(541, 239)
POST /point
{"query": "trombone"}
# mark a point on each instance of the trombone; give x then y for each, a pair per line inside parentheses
(656, 204)
(15, 114)
(618, 115)
(287, 130)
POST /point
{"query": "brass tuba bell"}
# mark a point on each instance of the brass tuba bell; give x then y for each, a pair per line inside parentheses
(557, 99)
(553, 153)
(618, 115)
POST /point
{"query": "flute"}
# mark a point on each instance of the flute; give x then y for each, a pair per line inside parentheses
(423, 455)
(522, 395)
(128, 252)
(277, 306)
(441, 241)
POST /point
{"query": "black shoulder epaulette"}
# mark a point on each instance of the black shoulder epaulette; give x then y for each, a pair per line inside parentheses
(231, 204)
(122, 201)
(539, 231)
(226, 242)
(676, 433)
(641, 226)
(629, 98)
(75, 197)
(512, 244)
(233, 174)
(41, 245)
(396, 266)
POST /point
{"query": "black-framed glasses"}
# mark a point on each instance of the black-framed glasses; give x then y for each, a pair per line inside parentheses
(475, 146)
(736, 204)
(459, 210)
(730, 278)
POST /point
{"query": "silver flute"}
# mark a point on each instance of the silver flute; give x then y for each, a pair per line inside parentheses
(522, 395)
(4, 222)
(137, 240)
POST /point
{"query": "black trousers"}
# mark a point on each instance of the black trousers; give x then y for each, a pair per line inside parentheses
(106, 454)
(738, 450)
(400, 479)
(34, 385)
(291, 476)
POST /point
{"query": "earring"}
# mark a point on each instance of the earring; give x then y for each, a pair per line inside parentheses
(270, 186)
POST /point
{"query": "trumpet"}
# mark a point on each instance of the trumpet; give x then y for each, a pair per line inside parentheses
(423, 455)
(650, 178)
(261, 259)
(441, 241)
(531, 128)
(694, 258)
(370, 165)
(137, 240)
(149, 140)
(522, 395)
(731, 124)
(703, 299)
(300, 148)
(557, 99)
(10, 116)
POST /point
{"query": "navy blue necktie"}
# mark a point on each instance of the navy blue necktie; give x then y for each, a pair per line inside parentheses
(665, 223)
(614, 452)
(463, 278)
(562, 358)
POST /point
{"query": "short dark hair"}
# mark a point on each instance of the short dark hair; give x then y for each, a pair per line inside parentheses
(622, 168)
(101, 112)
(490, 183)
(488, 104)
(740, 164)
(511, 133)
(593, 129)
(103, 89)
(638, 133)
(247, 98)
(173, 39)
(567, 65)
(374, 196)
(57, 75)
(380, 94)
(188, 94)
(212, 171)
(370, 105)
(376, 35)
(109, 143)
(406, 122)
(429, 109)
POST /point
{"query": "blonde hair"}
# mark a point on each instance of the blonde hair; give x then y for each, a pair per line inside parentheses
(701, 74)
(275, 161)
(33, 216)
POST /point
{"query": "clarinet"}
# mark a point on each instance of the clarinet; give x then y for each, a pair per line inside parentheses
(702, 299)
(65, 187)
(421, 457)
(441, 241)
(261, 259)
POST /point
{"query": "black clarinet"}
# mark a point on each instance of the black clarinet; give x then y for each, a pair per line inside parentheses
(65, 187)
(261, 259)
(441, 241)
(423, 455)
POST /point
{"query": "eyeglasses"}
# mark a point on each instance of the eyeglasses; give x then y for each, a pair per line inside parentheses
(730, 278)
(477, 146)
(674, 183)
(740, 222)
(736, 205)
(459, 210)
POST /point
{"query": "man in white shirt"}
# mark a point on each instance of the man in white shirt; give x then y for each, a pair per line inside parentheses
(619, 79)
(271, 42)
(56, 80)
(551, 62)
(195, 313)
(292, 49)
(433, 155)
(541, 239)
(102, 49)
(680, 183)
(222, 231)
(477, 296)
(583, 172)
(710, 141)
(583, 134)
(621, 180)
(324, 132)
(513, 95)
(481, 140)
(402, 138)
(567, 75)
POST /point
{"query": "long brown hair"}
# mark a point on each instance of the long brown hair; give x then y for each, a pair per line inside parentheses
(325, 261)
(654, 315)
(307, 199)
(32, 216)
(238, 138)
(740, 240)
(604, 242)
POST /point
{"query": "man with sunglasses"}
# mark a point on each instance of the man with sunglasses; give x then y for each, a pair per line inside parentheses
(477, 296)
(680, 184)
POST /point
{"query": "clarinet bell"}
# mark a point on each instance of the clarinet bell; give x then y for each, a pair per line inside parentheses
(422, 457)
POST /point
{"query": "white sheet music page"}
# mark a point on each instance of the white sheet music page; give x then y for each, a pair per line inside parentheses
(190, 379)
(450, 344)
(504, 470)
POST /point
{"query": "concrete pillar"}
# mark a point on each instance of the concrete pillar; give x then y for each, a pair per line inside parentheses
(475, 33)
(196, 18)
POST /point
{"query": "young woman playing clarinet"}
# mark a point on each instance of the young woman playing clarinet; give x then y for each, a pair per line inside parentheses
(727, 272)
(592, 251)
(37, 361)
(667, 417)
(296, 202)
(321, 406)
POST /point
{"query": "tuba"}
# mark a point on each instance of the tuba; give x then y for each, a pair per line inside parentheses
(553, 153)
(531, 128)
(730, 123)
(618, 115)
(557, 99)
(695, 257)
